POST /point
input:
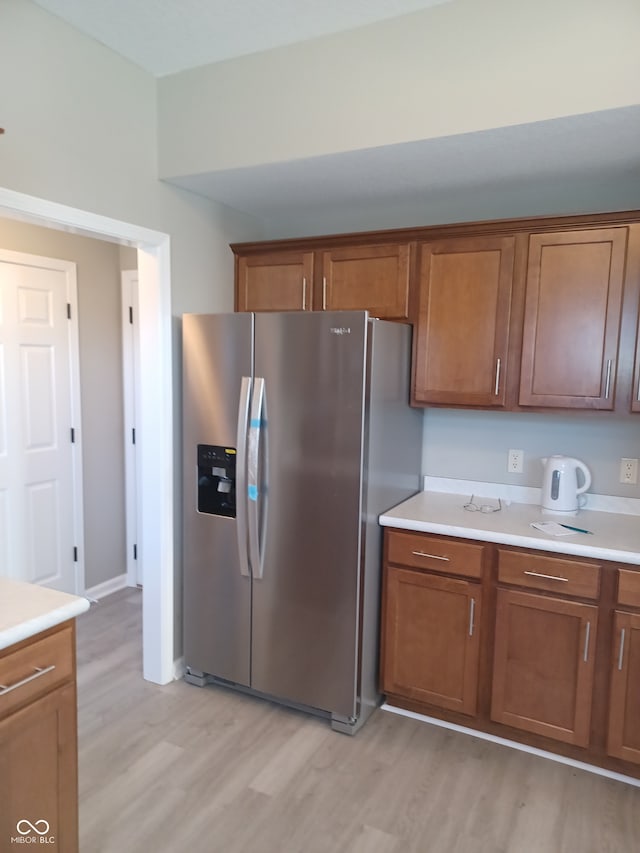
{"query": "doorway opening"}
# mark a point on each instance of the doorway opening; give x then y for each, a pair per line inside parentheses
(155, 416)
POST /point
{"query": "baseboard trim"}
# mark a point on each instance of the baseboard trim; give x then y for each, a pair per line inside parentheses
(179, 668)
(523, 747)
(101, 590)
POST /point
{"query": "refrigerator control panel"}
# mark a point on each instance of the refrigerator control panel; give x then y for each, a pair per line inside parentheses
(217, 480)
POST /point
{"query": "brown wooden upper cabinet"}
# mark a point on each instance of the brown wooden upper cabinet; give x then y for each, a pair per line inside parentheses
(573, 307)
(375, 278)
(462, 334)
(274, 281)
(348, 278)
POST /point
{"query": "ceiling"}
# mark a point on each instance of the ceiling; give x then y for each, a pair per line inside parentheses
(602, 145)
(172, 35)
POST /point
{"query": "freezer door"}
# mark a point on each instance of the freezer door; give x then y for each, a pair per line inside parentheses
(306, 581)
(217, 354)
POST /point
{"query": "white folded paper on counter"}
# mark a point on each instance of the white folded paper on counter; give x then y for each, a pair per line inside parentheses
(552, 528)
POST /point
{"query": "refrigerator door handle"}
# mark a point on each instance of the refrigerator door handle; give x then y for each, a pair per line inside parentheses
(241, 476)
(253, 475)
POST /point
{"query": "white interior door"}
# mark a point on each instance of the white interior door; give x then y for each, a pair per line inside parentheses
(40, 474)
(131, 386)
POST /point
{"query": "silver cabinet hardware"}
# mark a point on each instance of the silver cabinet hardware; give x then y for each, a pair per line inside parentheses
(547, 577)
(472, 613)
(38, 672)
(607, 384)
(621, 652)
(431, 556)
(324, 293)
(587, 634)
(497, 385)
(304, 294)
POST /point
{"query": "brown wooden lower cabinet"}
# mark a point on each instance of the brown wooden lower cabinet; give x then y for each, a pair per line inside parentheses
(544, 665)
(431, 639)
(624, 702)
(38, 742)
(554, 662)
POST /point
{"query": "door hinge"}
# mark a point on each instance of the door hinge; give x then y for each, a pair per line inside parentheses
(75, 553)
(131, 314)
(133, 435)
(73, 436)
(68, 310)
(135, 552)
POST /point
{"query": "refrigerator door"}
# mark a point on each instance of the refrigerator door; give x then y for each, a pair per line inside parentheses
(217, 364)
(307, 578)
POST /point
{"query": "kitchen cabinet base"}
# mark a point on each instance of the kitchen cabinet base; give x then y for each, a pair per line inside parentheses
(588, 759)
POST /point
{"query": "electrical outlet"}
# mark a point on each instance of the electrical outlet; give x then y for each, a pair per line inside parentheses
(629, 471)
(515, 461)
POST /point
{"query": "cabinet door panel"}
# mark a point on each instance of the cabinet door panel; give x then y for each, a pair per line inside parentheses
(279, 281)
(38, 771)
(624, 709)
(572, 318)
(431, 640)
(371, 278)
(463, 322)
(544, 665)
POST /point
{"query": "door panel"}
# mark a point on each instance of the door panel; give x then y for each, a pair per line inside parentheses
(572, 318)
(463, 326)
(305, 608)
(544, 665)
(217, 353)
(624, 704)
(280, 281)
(36, 417)
(431, 639)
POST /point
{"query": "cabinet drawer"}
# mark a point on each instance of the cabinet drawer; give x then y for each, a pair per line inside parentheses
(554, 574)
(629, 588)
(447, 556)
(31, 669)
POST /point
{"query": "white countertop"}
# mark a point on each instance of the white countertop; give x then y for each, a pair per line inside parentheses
(27, 609)
(615, 537)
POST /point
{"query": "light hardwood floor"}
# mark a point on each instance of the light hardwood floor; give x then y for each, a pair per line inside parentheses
(206, 770)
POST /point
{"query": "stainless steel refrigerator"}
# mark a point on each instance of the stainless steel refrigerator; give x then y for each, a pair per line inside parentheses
(297, 435)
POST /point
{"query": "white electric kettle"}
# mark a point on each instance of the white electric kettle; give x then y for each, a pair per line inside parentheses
(560, 490)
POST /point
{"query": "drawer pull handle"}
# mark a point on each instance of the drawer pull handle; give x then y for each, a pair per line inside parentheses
(547, 577)
(472, 613)
(431, 556)
(38, 671)
(324, 293)
(304, 294)
(621, 652)
(587, 634)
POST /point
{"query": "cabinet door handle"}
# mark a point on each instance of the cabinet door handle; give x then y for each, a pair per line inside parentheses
(607, 384)
(497, 385)
(547, 577)
(431, 556)
(472, 613)
(587, 634)
(304, 294)
(621, 651)
(324, 293)
(37, 673)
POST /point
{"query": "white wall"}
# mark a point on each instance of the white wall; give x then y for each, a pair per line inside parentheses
(452, 69)
(81, 129)
(472, 445)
